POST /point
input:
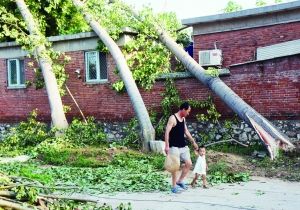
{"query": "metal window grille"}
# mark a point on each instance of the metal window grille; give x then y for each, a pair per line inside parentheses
(103, 66)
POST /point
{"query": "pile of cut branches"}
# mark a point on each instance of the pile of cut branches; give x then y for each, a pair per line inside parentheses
(21, 193)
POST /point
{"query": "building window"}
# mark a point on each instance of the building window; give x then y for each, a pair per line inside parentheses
(16, 73)
(95, 67)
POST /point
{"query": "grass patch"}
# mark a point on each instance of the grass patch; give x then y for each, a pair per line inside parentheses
(237, 149)
(99, 157)
(78, 157)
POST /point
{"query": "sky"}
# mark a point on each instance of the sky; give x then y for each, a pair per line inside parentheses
(192, 8)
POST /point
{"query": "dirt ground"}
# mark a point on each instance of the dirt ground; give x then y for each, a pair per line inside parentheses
(285, 168)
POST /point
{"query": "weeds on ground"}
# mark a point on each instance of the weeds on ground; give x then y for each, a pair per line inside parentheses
(220, 173)
(284, 166)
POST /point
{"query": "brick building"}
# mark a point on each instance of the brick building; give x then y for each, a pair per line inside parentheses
(260, 47)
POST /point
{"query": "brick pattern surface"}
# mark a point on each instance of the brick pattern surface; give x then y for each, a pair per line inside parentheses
(271, 87)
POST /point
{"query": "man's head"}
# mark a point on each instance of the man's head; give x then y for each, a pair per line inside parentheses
(184, 109)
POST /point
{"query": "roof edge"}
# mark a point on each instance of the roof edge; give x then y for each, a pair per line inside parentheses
(243, 13)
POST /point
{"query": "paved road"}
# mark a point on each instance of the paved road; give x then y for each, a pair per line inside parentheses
(260, 193)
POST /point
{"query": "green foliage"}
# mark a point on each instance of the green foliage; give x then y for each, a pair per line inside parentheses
(26, 193)
(70, 205)
(26, 134)
(146, 57)
(210, 113)
(219, 173)
(14, 27)
(81, 133)
(170, 100)
(213, 72)
(34, 137)
(128, 172)
(232, 6)
(260, 3)
(77, 157)
(132, 138)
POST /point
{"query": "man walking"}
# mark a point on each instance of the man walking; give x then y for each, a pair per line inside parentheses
(176, 145)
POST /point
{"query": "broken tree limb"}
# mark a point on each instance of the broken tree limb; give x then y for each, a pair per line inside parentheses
(229, 140)
(8, 194)
(70, 197)
(67, 88)
(13, 204)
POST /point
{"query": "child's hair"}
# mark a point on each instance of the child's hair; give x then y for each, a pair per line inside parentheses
(201, 146)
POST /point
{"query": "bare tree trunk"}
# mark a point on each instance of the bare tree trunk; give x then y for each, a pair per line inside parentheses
(57, 114)
(147, 129)
(273, 140)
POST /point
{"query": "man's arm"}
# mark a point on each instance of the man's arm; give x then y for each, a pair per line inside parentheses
(189, 136)
(170, 124)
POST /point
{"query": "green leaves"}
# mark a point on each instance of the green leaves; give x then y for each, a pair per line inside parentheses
(81, 133)
(26, 134)
(133, 173)
(26, 193)
(220, 173)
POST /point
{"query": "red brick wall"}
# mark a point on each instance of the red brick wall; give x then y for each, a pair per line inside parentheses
(272, 88)
(240, 46)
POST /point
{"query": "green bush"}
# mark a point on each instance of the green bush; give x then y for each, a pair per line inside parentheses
(132, 138)
(81, 133)
(27, 134)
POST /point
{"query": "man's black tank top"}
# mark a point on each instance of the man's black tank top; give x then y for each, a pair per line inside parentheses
(176, 136)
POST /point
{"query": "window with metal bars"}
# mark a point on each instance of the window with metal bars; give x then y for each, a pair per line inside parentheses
(95, 67)
(15, 73)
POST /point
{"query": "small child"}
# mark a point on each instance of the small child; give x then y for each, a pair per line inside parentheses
(200, 167)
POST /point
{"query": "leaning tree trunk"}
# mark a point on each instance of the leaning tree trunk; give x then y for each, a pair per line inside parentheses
(57, 114)
(271, 137)
(147, 129)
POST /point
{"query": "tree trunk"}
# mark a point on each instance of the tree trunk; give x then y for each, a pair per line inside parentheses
(57, 114)
(273, 140)
(147, 129)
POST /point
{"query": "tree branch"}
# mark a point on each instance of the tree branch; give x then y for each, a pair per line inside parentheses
(229, 140)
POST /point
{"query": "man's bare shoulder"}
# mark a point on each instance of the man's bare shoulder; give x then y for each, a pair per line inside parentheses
(172, 120)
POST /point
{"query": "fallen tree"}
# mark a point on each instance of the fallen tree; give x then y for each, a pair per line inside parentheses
(268, 133)
(147, 130)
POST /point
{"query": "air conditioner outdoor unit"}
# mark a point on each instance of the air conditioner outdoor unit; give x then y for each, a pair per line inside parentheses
(210, 57)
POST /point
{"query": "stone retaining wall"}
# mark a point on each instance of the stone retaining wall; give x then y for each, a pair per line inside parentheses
(239, 131)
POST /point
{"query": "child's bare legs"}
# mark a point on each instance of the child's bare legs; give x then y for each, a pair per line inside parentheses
(194, 182)
(204, 181)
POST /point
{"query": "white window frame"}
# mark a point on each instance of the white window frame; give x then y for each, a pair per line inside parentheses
(18, 85)
(98, 79)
